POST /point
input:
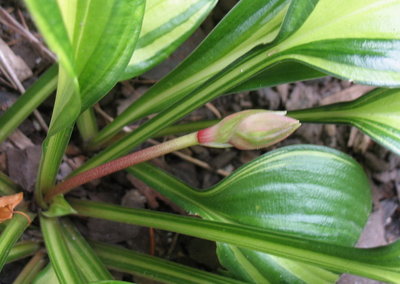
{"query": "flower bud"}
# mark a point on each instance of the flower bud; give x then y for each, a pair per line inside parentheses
(249, 129)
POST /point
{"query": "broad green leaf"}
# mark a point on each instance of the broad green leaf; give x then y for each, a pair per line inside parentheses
(124, 260)
(358, 40)
(270, 192)
(381, 263)
(166, 25)
(230, 39)
(377, 114)
(60, 257)
(105, 35)
(87, 261)
(10, 235)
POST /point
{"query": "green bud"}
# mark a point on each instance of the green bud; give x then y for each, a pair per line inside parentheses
(249, 129)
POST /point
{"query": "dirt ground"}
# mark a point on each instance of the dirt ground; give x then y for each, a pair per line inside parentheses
(19, 155)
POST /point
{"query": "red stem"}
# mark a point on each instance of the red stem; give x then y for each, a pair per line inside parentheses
(122, 163)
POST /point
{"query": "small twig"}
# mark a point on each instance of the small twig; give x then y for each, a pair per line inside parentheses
(152, 241)
(145, 81)
(214, 110)
(13, 24)
(17, 83)
(22, 18)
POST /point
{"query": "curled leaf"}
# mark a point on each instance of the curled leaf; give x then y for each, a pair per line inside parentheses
(7, 205)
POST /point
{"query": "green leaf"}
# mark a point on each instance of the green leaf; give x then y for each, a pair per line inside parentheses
(47, 275)
(59, 207)
(93, 52)
(282, 73)
(7, 186)
(155, 268)
(166, 25)
(363, 66)
(380, 263)
(28, 102)
(377, 114)
(360, 41)
(269, 192)
(49, 19)
(62, 262)
(10, 235)
(87, 261)
(104, 47)
(229, 40)
(31, 269)
(22, 249)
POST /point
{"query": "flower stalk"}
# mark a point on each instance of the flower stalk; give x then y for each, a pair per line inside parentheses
(246, 130)
(122, 163)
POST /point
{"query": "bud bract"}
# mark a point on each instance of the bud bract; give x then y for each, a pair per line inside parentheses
(249, 129)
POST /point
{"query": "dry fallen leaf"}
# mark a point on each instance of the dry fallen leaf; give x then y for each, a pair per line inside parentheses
(7, 205)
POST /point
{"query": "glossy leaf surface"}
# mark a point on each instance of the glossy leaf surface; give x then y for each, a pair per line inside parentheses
(360, 41)
(377, 114)
(270, 192)
(359, 62)
(229, 40)
(380, 263)
(92, 53)
(166, 24)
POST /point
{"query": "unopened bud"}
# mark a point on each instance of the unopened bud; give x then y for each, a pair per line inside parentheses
(249, 129)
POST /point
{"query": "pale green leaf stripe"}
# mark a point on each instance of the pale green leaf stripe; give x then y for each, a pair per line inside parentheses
(113, 49)
(166, 25)
(229, 40)
(47, 275)
(60, 257)
(23, 249)
(87, 261)
(363, 19)
(372, 62)
(379, 263)
(10, 235)
(129, 261)
(53, 30)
